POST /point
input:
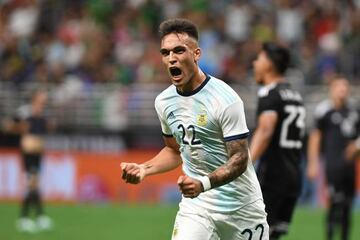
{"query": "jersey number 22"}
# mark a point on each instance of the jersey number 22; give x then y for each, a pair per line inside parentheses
(192, 132)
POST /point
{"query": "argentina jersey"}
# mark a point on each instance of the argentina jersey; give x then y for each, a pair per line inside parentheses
(201, 122)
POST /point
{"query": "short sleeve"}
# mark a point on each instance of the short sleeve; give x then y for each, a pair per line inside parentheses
(320, 114)
(358, 124)
(233, 122)
(319, 122)
(271, 102)
(22, 113)
(166, 131)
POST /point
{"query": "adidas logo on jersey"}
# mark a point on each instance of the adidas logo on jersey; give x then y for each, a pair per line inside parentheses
(171, 115)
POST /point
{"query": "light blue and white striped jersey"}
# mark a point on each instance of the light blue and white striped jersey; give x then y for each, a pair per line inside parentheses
(201, 123)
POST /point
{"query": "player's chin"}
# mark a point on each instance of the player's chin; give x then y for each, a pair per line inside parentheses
(177, 82)
(188, 196)
(259, 81)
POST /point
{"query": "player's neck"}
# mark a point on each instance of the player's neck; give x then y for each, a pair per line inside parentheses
(339, 103)
(195, 82)
(36, 110)
(272, 78)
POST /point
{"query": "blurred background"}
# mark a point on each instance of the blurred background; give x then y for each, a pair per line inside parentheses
(99, 62)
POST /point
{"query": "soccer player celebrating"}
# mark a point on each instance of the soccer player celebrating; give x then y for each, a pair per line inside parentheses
(337, 124)
(204, 129)
(277, 140)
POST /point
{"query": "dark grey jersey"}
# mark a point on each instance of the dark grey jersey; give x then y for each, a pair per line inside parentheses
(279, 166)
(338, 128)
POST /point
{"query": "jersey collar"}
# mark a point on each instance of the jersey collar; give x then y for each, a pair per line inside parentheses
(264, 90)
(196, 90)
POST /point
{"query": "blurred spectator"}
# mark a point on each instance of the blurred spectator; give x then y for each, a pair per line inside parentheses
(262, 30)
(116, 42)
(23, 19)
(213, 51)
(237, 20)
(172, 8)
(289, 22)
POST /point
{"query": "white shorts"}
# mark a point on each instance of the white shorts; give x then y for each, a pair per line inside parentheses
(195, 223)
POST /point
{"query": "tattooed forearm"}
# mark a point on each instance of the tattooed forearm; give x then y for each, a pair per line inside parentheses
(238, 160)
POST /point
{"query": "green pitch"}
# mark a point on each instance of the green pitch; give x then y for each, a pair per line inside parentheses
(137, 222)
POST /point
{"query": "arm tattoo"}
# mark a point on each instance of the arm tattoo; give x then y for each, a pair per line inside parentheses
(235, 166)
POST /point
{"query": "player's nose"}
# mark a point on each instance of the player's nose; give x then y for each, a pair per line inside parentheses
(172, 58)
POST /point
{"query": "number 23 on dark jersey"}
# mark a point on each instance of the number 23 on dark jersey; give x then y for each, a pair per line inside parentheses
(279, 166)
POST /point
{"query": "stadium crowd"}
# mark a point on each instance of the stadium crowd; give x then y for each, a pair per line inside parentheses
(71, 43)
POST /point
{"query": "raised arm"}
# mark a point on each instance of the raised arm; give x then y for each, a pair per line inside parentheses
(263, 134)
(167, 159)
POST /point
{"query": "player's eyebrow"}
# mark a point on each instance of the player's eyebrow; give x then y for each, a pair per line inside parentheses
(176, 49)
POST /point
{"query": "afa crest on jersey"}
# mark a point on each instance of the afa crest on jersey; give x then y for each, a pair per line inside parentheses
(201, 119)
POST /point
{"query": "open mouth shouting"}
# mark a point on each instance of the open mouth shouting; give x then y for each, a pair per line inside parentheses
(176, 73)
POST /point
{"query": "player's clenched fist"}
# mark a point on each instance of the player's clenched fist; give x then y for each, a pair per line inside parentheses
(189, 187)
(132, 172)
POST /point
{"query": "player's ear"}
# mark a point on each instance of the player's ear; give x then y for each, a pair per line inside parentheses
(197, 55)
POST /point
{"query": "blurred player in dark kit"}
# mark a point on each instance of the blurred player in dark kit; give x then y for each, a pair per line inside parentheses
(31, 123)
(333, 139)
(277, 141)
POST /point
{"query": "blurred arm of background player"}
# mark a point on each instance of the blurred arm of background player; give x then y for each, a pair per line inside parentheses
(352, 151)
(15, 126)
(263, 134)
(314, 146)
(167, 159)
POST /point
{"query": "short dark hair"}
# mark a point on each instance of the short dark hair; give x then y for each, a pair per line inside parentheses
(178, 25)
(279, 56)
